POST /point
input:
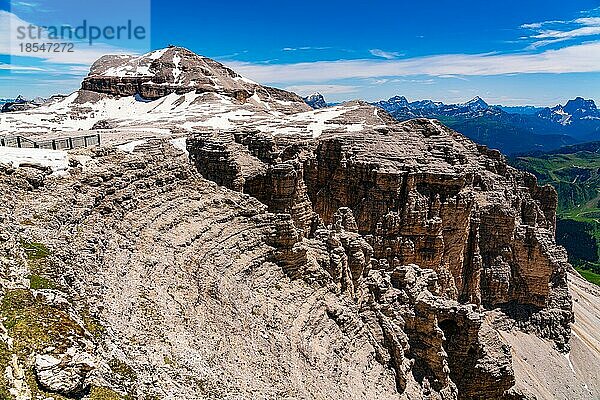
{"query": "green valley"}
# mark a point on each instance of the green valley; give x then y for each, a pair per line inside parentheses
(575, 173)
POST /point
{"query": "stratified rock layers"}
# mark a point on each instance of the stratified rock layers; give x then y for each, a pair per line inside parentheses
(176, 70)
(423, 238)
(326, 254)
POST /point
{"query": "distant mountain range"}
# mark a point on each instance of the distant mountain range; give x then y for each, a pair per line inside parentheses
(20, 104)
(512, 130)
(573, 113)
(509, 129)
(529, 110)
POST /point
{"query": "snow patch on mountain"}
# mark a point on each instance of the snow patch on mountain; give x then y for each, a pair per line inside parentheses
(56, 160)
(573, 111)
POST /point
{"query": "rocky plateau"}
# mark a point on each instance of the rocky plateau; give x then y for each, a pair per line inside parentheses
(226, 241)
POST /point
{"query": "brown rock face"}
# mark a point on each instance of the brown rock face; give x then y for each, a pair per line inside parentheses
(369, 208)
(176, 70)
(323, 254)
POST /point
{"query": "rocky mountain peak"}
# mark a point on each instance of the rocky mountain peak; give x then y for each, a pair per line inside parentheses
(20, 104)
(315, 100)
(426, 104)
(400, 108)
(319, 245)
(574, 111)
(395, 103)
(173, 68)
(177, 70)
(176, 65)
(580, 106)
(477, 103)
(400, 100)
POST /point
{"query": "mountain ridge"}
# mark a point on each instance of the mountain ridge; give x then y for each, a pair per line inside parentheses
(260, 247)
(545, 129)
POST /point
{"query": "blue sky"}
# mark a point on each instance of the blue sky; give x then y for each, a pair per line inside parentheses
(509, 52)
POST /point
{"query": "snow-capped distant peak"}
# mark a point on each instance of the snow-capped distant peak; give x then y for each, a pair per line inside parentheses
(398, 99)
(316, 100)
(574, 110)
(477, 103)
(580, 106)
(393, 104)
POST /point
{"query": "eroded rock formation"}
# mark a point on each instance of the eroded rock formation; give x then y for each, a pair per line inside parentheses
(369, 208)
(224, 241)
(180, 71)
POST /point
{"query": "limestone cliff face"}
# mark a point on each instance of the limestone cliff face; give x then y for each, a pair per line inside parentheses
(488, 233)
(224, 241)
(178, 70)
(368, 208)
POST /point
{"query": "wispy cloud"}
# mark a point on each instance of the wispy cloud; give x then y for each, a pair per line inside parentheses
(451, 76)
(384, 81)
(305, 90)
(83, 54)
(593, 11)
(388, 55)
(589, 21)
(577, 58)
(305, 48)
(24, 4)
(10, 67)
(28, 7)
(538, 25)
(550, 32)
(232, 55)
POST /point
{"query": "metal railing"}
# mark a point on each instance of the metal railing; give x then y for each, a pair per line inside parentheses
(67, 143)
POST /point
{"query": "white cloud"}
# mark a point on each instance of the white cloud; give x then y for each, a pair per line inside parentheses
(305, 90)
(388, 55)
(10, 67)
(538, 25)
(82, 54)
(381, 81)
(450, 76)
(535, 25)
(573, 33)
(562, 30)
(544, 43)
(588, 21)
(28, 7)
(593, 11)
(304, 48)
(578, 58)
